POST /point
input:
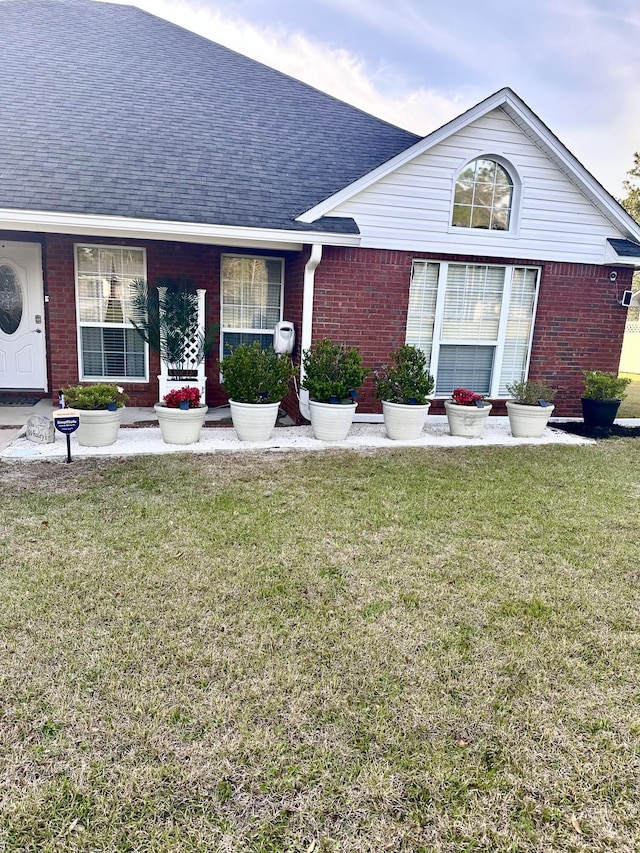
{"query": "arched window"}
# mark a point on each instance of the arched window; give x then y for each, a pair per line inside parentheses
(483, 197)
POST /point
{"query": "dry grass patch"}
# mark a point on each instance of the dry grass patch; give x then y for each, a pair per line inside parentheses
(408, 651)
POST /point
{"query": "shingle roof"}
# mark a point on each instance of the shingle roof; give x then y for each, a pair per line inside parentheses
(109, 110)
(625, 248)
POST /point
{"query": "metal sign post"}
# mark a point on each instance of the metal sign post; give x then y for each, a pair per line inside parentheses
(67, 421)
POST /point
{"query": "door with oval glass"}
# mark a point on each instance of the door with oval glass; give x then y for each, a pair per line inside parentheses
(23, 362)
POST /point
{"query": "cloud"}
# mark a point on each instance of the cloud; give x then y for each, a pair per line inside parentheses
(335, 71)
(577, 65)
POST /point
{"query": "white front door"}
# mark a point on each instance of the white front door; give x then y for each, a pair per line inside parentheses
(23, 362)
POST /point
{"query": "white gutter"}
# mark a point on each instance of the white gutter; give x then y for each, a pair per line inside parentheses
(307, 319)
(55, 222)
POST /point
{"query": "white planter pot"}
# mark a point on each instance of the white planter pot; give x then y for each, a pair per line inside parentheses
(254, 421)
(180, 426)
(98, 427)
(528, 421)
(331, 421)
(466, 421)
(404, 422)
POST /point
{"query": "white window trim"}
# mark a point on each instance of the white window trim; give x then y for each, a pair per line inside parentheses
(236, 330)
(516, 197)
(129, 380)
(499, 342)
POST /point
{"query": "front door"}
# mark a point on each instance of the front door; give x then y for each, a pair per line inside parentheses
(23, 363)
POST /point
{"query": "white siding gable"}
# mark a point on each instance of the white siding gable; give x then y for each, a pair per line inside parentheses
(410, 208)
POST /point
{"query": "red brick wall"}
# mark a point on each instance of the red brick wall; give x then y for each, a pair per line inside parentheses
(202, 263)
(361, 298)
(579, 326)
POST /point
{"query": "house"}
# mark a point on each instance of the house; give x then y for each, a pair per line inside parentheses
(131, 148)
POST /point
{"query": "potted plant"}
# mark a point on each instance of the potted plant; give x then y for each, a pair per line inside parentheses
(168, 317)
(603, 393)
(467, 413)
(100, 406)
(333, 374)
(181, 415)
(403, 387)
(256, 380)
(530, 409)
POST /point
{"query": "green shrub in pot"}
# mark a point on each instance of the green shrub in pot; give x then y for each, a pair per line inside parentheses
(100, 395)
(333, 372)
(529, 392)
(406, 380)
(530, 409)
(603, 393)
(256, 380)
(251, 374)
(602, 385)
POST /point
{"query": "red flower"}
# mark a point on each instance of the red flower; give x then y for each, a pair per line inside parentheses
(464, 397)
(187, 394)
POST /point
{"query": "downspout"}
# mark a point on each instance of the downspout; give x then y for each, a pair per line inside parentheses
(307, 319)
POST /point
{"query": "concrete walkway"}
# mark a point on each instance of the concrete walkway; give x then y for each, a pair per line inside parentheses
(140, 435)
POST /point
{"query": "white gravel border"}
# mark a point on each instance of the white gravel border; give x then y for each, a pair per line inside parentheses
(136, 441)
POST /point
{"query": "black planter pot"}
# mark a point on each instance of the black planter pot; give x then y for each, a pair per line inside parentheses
(599, 413)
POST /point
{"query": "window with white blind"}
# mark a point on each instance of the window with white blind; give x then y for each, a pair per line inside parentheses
(474, 322)
(251, 302)
(109, 348)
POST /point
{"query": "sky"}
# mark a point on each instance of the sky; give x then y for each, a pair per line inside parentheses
(420, 63)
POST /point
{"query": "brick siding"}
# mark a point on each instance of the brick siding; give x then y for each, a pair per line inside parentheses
(361, 298)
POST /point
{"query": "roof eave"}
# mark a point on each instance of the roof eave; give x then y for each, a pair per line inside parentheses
(614, 258)
(94, 225)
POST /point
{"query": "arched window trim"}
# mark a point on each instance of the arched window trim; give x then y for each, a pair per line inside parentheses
(514, 219)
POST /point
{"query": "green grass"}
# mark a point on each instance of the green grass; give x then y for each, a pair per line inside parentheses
(630, 406)
(407, 651)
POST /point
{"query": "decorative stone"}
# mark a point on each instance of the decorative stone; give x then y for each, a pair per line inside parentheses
(40, 430)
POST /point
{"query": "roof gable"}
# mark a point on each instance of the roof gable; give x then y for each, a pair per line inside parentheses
(125, 114)
(530, 125)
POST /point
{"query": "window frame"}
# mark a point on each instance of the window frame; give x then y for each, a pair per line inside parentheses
(245, 330)
(82, 324)
(516, 195)
(501, 338)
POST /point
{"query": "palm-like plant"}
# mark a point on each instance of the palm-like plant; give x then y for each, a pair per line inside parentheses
(166, 317)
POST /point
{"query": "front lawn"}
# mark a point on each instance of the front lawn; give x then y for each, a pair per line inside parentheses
(630, 406)
(418, 651)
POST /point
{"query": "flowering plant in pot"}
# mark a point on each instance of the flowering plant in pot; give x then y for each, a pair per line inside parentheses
(187, 397)
(333, 375)
(530, 409)
(467, 413)
(181, 415)
(403, 387)
(100, 406)
(603, 393)
(256, 380)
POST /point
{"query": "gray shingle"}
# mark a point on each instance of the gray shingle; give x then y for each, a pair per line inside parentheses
(625, 248)
(109, 110)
